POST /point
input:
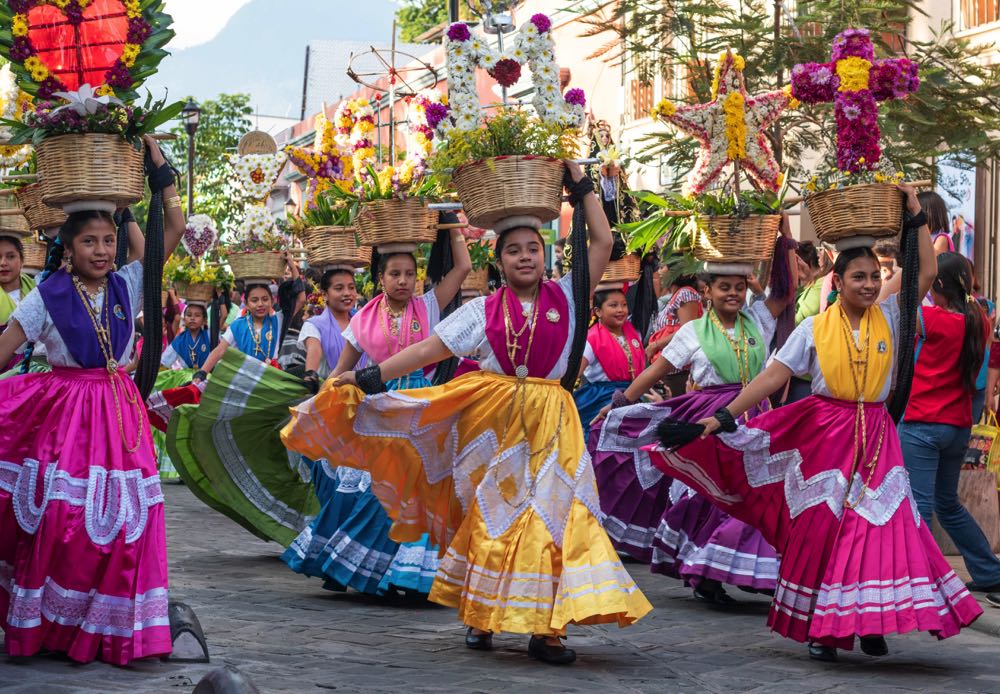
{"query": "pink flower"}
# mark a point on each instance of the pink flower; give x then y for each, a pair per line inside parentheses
(576, 97)
(459, 31)
(541, 22)
(812, 83)
(853, 43)
(435, 114)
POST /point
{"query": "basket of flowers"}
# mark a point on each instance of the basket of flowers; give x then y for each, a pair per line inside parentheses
(195, 279)
(625, 269)
(330, 238)
(40, 215)
(259, 253)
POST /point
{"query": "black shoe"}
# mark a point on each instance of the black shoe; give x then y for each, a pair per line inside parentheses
(539, 649)
(874, 645)
(982, 588)
(716, 598)
(993, 599)
(820, 652)
(479, 642)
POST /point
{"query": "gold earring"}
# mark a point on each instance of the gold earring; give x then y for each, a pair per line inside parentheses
(69, 264)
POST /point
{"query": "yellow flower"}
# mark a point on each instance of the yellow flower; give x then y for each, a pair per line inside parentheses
(61, 4)
(105, 90)
(130, 53)
(736, 128)
(19, 25)
(132, 9)
(853, 73)
(879, 177)
(664, 109)
(24, 103)
(792, 101)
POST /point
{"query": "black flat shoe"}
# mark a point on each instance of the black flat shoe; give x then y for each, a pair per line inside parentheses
(539, 649)
(820, 652)
(983, 587)
(874, 645)
(716, 598)
(993, 599)
(478, 642)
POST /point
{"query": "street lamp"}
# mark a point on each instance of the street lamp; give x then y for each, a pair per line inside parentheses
(191, 115)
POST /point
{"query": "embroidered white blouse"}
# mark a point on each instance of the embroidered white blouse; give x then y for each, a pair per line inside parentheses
(464, 332)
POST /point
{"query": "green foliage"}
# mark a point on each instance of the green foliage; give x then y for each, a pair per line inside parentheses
(327, 212)
(481, 253)
(416, 17)
(510, 132)
(954, 112)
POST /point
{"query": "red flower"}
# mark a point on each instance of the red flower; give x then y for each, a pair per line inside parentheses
(507, 72)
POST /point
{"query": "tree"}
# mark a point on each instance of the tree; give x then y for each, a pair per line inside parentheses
(418, 16)
(953, 113)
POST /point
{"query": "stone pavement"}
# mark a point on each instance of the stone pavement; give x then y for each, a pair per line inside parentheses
(290, 635)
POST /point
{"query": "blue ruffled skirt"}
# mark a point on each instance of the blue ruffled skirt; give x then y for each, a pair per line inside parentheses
(348, 544)
(592, 397)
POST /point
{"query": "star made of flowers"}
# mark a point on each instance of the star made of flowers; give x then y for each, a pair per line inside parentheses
(854, 81)
(730, 128)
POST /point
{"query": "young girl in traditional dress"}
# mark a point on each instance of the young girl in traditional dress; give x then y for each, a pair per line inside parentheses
(14, 284)
(662, 522)
(83, 563)
(823, 478)
(190, 349)
(492, 464)
(613, 357)
(359, 553)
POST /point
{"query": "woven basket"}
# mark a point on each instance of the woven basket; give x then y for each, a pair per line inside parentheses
(329, 245)
(12, 220)
(34, 254)
(40, 215)
(625, 270)
(90, 167)
(396, 221)
(493, 189)
(477, 281)
(257, 265)
(735, 239)
(874, 209)
(199, 291)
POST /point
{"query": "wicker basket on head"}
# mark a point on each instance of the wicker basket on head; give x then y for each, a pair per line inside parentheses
(89, 167)
(477, 281)
(35, 254)
(330, 245)
(396, 221)
(40, 215)
(257, 265)
(625, 270)
(12, 219)
(735, 239)
(493, 189)
(198, 291)
(874, 209)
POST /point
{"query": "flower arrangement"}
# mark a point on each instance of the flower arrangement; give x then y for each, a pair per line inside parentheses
(14, 104)
(833, 179)
(730, 129)
(326, 164)
(510, 132)
(326, 211)
(84, 111)
(200, 235)
(315, 300)
(355, 121)
(256, 173)
(184, 269)
(855, 81)
(533, 45)
(131, 35)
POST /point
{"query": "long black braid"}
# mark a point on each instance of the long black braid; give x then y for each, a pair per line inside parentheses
(641, 296)
(214, 316)
(152, 278)
(53, 261)
(909, 302)
(122, 219)
(441, 262)
(580, 269)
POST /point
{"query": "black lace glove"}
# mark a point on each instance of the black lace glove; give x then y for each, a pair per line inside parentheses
(159, 177)
(125, 216)
(577, 189)
(674, 434)
(369, 380)
(618, 399)
(727, 422)
(199, 376)
(311, 379)
(914, 221)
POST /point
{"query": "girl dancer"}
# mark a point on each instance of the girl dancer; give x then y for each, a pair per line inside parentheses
(492, 464)
(190, 349)
(14, 285)
(83, 564)
(823, 478)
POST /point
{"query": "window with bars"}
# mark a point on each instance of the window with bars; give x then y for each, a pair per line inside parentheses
(979, 12)
(640, 81)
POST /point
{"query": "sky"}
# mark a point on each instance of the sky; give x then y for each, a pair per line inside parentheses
(198, 21)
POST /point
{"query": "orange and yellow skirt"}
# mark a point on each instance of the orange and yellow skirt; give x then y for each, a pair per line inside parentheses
(495, 470)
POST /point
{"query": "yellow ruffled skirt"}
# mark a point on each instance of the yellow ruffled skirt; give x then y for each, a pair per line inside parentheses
(496, 471)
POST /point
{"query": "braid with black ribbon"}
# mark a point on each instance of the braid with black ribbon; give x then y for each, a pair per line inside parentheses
(53, 261)
(152, 278)
(122, 220)
(441, 262)
(580, 269)
(909, 301)
(214, 316)
(641, 296)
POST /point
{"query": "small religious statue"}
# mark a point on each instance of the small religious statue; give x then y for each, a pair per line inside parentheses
(609, 176)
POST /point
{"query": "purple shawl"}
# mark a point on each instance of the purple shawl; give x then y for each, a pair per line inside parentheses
(75, 327)
(551, 330)
(332, 339)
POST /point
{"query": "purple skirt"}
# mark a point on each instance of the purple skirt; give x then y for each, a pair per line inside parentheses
(681, 534)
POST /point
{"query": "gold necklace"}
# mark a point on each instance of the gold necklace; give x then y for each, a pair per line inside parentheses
(103, 333)
(402, 337)
(511, 336)
(741, 348)
(257, 337)
(622, 342)
(859, 376)
(393, 318)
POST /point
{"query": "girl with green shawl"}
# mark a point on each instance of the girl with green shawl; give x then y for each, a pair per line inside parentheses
(14, 283)
(662, 522)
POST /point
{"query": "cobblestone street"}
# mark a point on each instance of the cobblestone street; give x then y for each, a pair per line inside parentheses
(289, 635)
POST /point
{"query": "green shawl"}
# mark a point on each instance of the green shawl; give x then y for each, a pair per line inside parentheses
(718, 350)
(7, 304)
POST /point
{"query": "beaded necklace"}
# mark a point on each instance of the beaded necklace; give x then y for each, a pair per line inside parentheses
(740, 344)
(258, 336)
(511, 336)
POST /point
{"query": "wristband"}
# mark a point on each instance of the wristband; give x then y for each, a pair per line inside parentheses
(727, 422)
(369, 380)
(914, 221)
(578, 190)
(618, 399)
(125, 216)
(160, 177)
(199, 375)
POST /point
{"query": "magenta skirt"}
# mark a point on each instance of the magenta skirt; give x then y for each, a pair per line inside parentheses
(83, 552)
(856, 559)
